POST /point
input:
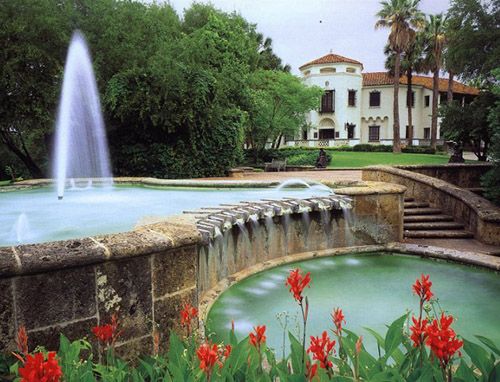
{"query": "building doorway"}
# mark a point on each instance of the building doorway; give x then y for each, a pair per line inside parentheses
(327, 134)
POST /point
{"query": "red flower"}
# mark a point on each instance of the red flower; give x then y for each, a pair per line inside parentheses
(311, 370)
(227, 351)
(422, 288)
(442, 339)
(418, 331)
(359, 344)
(321, 349)
(107, 333)
(259, 337)
(188, 314)
(37, 369)
(297, 283)
(22, 340)
(338, 318)
(207, 354)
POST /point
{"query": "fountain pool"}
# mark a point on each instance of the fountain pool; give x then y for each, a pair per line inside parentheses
(35, 215)
(372, 289)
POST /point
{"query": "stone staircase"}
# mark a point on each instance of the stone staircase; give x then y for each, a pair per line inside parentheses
(423, 221)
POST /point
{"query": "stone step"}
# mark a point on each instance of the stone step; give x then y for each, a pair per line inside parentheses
(422, 211)
(416, 204)
(447, 234)
(427, 218)
(409, 199)
(433, 225)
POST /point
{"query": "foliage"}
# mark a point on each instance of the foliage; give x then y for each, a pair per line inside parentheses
(278, 105)
(426, 350)
(492, 179)
(473, 48)
(468, 125)
(403, 18)
(175, 92)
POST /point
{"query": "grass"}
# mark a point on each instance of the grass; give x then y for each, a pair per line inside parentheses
(361, 159)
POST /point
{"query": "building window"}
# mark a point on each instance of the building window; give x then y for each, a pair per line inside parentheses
(350, 70)
(337, 134)
(427, 101)
(412, 100)
(407, 131)
(328, 102)
(375, 99)
(427, 133)
(304, 134)
(351, 99)
(373, 133)
(350, 131)
(315, 135)
(307, 72)
(327, 70)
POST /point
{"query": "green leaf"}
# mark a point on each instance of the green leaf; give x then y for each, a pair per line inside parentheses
(394, 336)
(464, 372)
(495, 374)
(296, 354)
(489, 343)
(377, 336)
(479, 357)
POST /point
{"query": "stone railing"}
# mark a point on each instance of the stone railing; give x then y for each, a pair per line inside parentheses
(149, 273)
(480, 216)
(462, 175)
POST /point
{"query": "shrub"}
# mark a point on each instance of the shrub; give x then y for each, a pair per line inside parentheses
(418, 150)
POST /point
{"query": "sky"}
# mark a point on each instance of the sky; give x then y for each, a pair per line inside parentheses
(303, 30)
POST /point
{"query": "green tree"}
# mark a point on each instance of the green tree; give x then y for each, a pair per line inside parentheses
(435, 40)
(402, 17)
(411, 61)
(468, 125)
(492, 179)
(279, 103)
(33, 38)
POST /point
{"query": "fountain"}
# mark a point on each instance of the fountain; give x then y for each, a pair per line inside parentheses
(81, 150)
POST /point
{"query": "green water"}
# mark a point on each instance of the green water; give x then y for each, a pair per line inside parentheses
(372, 289)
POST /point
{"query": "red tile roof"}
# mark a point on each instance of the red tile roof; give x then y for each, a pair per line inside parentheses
(331, 59)
(383, 78)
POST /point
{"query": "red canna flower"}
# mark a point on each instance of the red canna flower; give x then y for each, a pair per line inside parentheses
(321, 349)
(37, 369)
(422, 288)
(227, 351)
(259, 337)
(207, 354)
(311, 370)
(418, 334)
(297, 283)
(338, 319)
(359, 344)
(108, 333)
(188, 314)
(442, 340)
(22, 340)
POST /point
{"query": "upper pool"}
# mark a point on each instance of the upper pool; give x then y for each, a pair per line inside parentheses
(36, 215)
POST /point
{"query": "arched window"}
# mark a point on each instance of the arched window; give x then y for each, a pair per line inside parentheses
(327, 70)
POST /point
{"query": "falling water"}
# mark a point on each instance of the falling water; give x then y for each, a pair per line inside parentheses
(81, 149)
(292, 183)
(21, 230)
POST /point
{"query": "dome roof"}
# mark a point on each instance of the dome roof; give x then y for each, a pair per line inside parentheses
(331, 59)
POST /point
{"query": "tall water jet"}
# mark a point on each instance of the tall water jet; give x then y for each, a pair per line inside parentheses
(81, 149)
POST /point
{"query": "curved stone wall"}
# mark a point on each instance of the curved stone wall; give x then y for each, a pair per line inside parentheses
(480, 216)
(149, 273)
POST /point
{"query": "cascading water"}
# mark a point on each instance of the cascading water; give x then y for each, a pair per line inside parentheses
(81, 149)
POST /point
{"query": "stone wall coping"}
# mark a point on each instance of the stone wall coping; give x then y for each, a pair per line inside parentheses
(485, 209)
(172, 232)
(370, 188)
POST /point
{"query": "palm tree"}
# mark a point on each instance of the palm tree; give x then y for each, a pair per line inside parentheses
(435, 39)
(412, 60)
(402, 17)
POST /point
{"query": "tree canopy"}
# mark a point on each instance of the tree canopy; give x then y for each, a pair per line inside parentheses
(176, 92)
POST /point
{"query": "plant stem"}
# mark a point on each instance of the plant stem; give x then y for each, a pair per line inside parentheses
(304, 318)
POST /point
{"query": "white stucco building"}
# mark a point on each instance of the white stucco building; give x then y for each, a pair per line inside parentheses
(357, 107)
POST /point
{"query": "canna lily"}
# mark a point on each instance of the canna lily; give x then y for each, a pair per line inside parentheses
(297, 283)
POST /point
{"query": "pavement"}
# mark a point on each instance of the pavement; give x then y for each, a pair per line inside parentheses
(316, 175)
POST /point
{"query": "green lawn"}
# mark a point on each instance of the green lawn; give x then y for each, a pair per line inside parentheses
(360, 159)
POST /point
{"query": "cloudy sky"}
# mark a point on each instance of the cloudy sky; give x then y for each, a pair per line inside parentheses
(303, 30)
